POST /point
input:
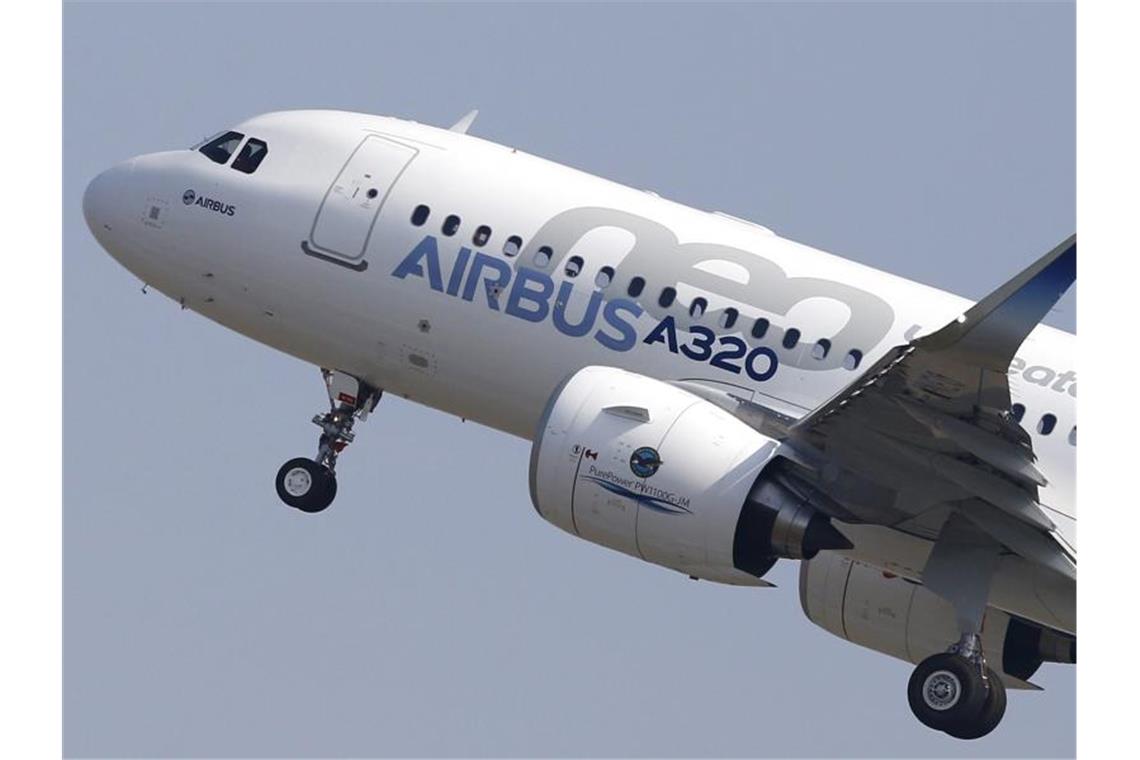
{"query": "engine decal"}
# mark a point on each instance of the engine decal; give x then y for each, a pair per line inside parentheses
(644, 462)
(657, 499)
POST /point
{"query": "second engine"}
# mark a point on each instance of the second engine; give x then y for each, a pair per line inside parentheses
(905, 620)
(649, 469)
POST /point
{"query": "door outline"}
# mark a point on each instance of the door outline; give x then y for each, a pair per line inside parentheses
(311, 248)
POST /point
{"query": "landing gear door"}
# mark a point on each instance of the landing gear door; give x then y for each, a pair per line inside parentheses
(348, 212)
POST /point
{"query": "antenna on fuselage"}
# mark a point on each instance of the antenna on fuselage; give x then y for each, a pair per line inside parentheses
(465, 123)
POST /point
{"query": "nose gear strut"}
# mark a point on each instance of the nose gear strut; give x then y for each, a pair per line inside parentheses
(310, 484)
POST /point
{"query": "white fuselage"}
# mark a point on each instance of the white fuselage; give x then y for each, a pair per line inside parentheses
(458, 324)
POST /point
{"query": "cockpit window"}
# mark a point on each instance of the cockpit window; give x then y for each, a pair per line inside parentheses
(251, 155)
(221, 148)
(207, 139)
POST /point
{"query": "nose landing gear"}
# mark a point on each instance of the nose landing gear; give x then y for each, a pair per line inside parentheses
(310, 484)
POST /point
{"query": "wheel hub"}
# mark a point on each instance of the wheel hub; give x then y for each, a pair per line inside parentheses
(941, 690)
(298, 482)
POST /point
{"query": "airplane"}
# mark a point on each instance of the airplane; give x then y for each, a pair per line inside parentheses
(699, 392)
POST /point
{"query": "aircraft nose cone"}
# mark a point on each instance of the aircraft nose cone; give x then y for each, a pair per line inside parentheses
(104, 196)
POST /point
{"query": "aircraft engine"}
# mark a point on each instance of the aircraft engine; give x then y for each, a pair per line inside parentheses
(649, 469)
(907, 621)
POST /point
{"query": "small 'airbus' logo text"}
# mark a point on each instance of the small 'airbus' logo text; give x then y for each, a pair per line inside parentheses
(644, 462)
(191, 198)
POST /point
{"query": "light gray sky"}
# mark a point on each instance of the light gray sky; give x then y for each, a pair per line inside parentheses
(430, 611)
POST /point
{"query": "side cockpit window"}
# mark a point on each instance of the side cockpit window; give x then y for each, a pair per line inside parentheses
(221, 147)
(251, 156)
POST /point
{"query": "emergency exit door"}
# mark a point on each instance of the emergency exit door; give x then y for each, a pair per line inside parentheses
(348, 212)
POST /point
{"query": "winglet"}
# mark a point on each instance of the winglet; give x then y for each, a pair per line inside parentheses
(990, 333)
(465, 123)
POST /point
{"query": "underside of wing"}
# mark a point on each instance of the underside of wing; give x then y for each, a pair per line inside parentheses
(927, 432)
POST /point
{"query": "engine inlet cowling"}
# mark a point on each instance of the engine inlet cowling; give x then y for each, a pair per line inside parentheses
(651, 470)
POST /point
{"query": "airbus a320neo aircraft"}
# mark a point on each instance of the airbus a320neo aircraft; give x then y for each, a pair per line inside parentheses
(700, 392)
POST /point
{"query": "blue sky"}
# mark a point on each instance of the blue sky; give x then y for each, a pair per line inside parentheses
(430, 611)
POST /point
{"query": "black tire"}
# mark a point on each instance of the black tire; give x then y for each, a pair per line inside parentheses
(946, 691)
(993, 709)
(305, 485)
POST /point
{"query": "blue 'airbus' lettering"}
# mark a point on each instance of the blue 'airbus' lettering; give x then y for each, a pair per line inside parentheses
(528, 297)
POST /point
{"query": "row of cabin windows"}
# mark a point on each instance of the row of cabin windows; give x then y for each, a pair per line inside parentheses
(1045, 425)
(605, 275)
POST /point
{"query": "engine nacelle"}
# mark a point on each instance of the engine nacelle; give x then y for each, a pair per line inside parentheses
(908, 621)
(649, 469)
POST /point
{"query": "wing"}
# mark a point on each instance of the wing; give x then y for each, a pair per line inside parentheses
(929, 425)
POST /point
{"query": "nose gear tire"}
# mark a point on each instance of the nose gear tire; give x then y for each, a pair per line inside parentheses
(306, 485)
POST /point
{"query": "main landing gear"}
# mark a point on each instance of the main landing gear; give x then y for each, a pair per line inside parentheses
(310, 484)
(955, 691)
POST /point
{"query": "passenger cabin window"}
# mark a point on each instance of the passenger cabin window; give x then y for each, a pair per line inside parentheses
(729, 317)
(574, 266)
(668, 296)
(251, 156)
(221, 148)
(791, 338)
(604, 277)
(481, 236)
(512, 246)
(697, 308)
(760, 328)
(636, 285)
(821, 349)
(1018, 411)
(420, 215)
(1073, 436)
(450, 225)
(543, 256)
(1046, 425)
(853, 359)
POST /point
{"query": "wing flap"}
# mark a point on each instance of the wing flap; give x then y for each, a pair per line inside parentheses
(1033, 545)
(1011, 459)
